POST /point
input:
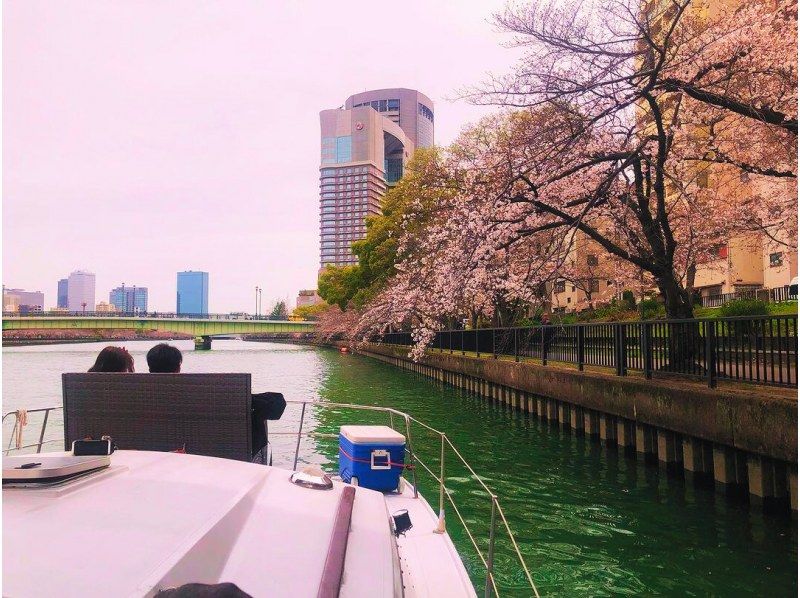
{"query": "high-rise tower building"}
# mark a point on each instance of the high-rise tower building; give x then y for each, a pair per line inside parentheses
(364, 148)
(63, 288)
(80, 291)
(192, 293)
(129, 299)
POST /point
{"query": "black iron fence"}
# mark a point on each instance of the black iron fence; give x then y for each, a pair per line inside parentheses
(760, 349)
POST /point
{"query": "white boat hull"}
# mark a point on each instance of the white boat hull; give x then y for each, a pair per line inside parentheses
(159, 520)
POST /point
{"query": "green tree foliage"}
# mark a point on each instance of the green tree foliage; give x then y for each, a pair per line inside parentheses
(279, 311)
(406, 209)
(309, 312)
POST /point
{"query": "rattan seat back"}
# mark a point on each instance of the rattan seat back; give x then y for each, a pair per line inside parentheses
(209, 414)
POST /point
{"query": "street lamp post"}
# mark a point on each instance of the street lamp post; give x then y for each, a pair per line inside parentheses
(259, 299)
(257, 290)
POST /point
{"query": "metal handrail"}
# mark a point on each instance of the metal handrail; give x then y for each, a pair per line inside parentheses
(488, 561)
(42, 441)
(496, 509)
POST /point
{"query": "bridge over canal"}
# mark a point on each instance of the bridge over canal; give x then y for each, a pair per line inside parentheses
(202, 328)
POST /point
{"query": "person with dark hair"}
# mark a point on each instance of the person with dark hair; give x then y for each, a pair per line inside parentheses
(164, 359)
(113, 359)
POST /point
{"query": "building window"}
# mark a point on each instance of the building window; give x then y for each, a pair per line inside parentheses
(561, 286)
(722, 251)
(394, 105)
(776, 259)
(594, 285)
(344, 147)
(591, 260)
(426, 112)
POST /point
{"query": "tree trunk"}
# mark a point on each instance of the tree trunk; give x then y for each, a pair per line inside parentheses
(677, 300)
(683, 338)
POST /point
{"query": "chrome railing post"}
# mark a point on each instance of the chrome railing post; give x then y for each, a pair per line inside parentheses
(411, 455)
(41, 435)
(440, 528)
(299, 435)
(13, 433)
(490, 556)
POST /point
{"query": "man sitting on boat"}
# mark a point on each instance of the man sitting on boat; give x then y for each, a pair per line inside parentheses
(166, 359)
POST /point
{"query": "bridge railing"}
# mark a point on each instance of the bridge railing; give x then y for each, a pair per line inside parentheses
(757, 349)
(143, 315)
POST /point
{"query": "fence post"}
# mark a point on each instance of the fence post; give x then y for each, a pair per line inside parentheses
(711, 354)
(494, 343)
(542, 344)
(451, 341)
(463, 348)
(581, 340)
(647, 350)
(516, 348)
(477, 348)
(619, 338)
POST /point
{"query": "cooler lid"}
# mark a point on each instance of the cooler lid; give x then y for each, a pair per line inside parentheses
(372, 434)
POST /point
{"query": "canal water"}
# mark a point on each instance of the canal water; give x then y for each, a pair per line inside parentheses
(589, 521)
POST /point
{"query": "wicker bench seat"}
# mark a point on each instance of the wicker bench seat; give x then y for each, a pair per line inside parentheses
(208, 414)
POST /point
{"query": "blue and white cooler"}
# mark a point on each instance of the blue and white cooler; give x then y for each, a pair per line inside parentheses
(371, 456)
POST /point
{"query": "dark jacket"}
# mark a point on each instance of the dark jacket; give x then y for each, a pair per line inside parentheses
(265, 405)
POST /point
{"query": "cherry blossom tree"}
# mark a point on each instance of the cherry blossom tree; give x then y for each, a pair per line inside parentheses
(663, 112)
(657, 130)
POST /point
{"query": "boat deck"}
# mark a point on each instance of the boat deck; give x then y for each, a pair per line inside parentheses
(159, 520)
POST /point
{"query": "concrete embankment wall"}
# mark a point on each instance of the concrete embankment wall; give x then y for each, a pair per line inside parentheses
(742, 440)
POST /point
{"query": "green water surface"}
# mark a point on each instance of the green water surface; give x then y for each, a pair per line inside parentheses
(589, 521)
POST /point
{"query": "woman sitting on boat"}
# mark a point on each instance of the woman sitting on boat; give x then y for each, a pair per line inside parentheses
(113, 359)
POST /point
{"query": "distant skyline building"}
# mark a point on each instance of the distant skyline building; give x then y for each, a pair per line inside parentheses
(63, 292)
(364, 149)
(80, 291)
(129, 299)
(307, 297)
(192, 293)
(105, 308)
(20, 300)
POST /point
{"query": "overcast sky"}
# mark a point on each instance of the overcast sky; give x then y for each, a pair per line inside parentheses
(145, 137)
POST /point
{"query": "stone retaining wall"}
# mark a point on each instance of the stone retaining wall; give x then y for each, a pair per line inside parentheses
(744, 440)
